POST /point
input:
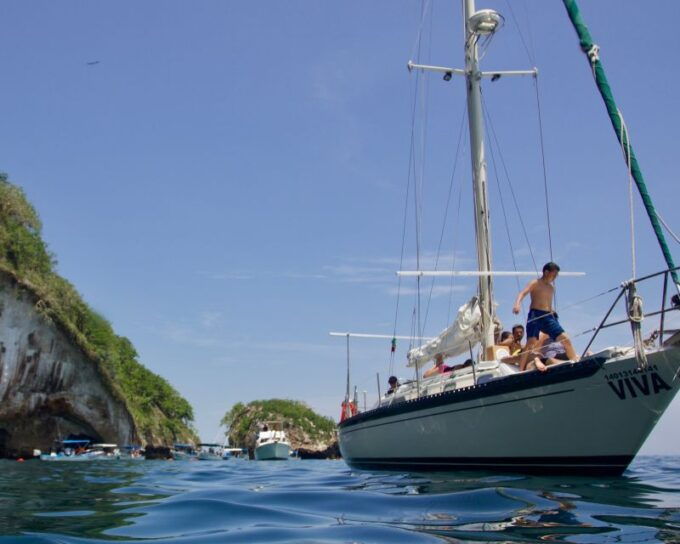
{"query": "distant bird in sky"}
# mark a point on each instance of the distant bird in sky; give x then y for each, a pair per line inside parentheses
(92, 62)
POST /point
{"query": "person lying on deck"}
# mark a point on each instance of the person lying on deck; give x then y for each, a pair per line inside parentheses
(438, 368)
(550, 354)
(542, 317)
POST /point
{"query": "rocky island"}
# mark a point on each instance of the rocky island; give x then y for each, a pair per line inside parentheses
(312, 435)
(63, 370)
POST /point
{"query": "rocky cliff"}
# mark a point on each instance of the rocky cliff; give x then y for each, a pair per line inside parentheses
(307, 431)
(48, 386)
(63, 371)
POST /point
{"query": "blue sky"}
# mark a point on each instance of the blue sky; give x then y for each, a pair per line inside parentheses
(227, 183)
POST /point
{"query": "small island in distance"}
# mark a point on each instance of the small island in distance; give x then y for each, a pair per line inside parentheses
(313, 436)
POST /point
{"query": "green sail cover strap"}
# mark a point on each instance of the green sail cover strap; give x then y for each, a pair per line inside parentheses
(591, 51)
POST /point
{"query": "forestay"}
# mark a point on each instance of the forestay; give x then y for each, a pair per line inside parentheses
(464, 332)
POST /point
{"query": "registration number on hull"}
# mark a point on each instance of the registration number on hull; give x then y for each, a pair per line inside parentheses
(629, 384)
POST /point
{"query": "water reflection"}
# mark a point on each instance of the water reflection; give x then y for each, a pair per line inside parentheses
(46, 497)
(317, 501)
(644, 503)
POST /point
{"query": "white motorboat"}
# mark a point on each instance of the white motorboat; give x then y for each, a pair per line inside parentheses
(234, 453)
(210, 452)
(272, 443)
(183, 452)
(82, 450)
(590, 416)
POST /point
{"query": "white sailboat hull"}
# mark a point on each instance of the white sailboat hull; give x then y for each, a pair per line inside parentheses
(273, 451)
(587, 417)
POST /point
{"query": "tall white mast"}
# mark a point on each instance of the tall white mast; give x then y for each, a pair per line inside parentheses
(473, 79)
(478, 24)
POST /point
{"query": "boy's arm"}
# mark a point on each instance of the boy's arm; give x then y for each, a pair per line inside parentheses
(524, 292)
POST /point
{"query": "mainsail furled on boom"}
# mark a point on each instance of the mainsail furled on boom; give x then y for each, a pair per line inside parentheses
(464, 332)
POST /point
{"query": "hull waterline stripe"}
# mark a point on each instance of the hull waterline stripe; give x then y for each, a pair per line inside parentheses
(456, 410)
(489, 464)
(610, 465)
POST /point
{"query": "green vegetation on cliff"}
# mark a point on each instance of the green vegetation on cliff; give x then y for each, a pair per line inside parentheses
(159, 411)
(303, 425)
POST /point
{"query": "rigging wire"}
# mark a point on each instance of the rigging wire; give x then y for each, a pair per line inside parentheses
(675, 237)
(545, 172)
(500, 195)
(416, 44)
(401, 260)
(484, 45)
(420, 183)
(446, 213)
(532, 60)
(625, 149)
(455, 255)
(411, 170)
(413, 333)
(512, 189)
(532, 47)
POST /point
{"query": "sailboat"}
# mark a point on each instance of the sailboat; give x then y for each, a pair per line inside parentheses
(587, 417)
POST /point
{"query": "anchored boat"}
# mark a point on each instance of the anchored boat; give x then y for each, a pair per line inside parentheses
(590, 416)
(210, 452)
(82, 450)
(183, 452)
(272, 443)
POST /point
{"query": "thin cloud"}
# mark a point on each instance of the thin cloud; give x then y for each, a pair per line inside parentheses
(189, 336)
(377, 271)
(234, 275)
(437, 290)
(210, 318)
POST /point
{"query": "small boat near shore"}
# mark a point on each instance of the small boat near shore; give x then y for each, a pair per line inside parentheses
(234, 453)
(210, 452)
(272, 444)
(183, 452)
(82, 450)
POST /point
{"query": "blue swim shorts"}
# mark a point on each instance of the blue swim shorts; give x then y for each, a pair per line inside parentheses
(541, 321)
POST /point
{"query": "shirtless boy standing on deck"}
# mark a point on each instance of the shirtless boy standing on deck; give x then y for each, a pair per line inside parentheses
(541, 316)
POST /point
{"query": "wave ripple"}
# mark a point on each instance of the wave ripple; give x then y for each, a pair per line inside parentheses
(326, 502)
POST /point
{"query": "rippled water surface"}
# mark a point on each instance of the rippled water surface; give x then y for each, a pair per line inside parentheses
(325, 501)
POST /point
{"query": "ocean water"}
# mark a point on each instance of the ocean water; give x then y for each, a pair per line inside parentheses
(327, 502)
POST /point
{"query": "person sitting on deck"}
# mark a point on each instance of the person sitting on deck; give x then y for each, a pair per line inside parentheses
(514, 345)
(514, 341)
(394, 385)
(541, 316)
(438, 368)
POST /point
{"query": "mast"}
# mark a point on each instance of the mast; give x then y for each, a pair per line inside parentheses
(473, 79)
(476, 24)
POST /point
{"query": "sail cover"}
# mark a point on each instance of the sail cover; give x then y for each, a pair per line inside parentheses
(455, 339)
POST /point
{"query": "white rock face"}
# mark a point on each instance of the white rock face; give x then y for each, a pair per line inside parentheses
(49, 388)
